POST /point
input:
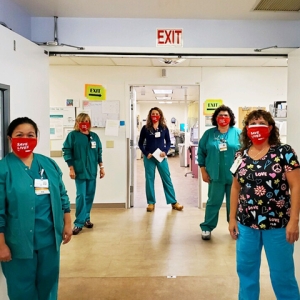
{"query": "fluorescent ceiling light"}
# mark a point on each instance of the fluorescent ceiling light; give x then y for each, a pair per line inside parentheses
(164, 98)
(161, 102)
(163, 92)
(169, 102)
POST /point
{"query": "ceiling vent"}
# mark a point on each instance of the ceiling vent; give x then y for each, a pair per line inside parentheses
(278, 5)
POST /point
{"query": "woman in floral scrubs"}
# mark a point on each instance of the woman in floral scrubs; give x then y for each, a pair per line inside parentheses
(265, 201)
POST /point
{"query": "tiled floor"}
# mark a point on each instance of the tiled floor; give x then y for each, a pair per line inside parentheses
(135, 255)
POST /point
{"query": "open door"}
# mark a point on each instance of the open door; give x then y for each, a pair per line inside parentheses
(133, 145)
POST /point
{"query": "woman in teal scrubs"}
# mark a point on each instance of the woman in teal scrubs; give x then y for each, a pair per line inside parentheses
(34, 216)
(216, 152)
(82, 150)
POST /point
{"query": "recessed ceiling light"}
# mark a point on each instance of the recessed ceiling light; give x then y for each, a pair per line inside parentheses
(163, 92)
(164, 98)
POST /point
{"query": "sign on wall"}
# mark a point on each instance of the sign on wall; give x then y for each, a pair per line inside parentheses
(95, 92)
(210, 105)
(169, 37)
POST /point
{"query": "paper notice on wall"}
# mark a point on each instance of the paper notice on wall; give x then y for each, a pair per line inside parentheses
(56, 127)
(112, 127)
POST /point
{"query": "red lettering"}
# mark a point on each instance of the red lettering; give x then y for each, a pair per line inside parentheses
(160, 36)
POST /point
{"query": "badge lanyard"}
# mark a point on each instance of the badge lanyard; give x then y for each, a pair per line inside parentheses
(222, 144)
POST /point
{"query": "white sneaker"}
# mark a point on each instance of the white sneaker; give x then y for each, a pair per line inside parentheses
(206, 235)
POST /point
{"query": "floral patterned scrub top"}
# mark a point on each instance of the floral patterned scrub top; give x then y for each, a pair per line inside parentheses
(264, 198)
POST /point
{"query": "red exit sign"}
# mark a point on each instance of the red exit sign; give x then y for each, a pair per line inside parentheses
(169, 37)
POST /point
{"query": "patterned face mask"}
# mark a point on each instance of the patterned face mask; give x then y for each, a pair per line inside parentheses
(23, 147)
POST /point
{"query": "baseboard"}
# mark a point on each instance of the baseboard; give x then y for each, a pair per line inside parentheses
(104, 205)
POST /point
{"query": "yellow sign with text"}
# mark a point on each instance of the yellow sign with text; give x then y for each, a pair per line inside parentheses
(95, 92)
(210, 105)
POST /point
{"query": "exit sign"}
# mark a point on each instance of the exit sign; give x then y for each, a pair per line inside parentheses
(210, 105)
(95, 92)
(169, 37)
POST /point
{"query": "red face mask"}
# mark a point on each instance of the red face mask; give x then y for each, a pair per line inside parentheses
(258, 133)
(84, 126)
(223, 121)
(23, 147)
(155, 119)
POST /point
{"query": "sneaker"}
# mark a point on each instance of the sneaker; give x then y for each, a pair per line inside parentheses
(177, 206)
(206, 235)
(88, 224)
(76, 230)
(150, 207)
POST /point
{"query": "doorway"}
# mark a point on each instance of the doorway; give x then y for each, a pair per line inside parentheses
(4, 118)
(175, 101)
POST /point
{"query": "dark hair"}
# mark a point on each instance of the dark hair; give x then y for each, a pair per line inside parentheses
(162, 121)
(274, 138)
(16, 122)
(217, 111)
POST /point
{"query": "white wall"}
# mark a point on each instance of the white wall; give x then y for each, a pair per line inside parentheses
(239, 87)
(26, 72)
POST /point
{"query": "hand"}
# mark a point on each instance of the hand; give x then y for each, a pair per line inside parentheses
(67, 233)
(205, 176)
(292, 232)
(102, 173)
(5, 254)
(162, 154)
(72, 174)
(233, 228)
(149, 156)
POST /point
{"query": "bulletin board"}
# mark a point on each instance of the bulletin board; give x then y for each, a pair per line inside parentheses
(101, 111)
(244, 111)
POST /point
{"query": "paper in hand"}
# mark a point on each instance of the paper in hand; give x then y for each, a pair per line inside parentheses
(157, 153)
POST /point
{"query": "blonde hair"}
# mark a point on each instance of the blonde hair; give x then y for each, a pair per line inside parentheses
(81, 118)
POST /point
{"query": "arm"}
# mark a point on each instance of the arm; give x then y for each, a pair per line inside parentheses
(234, 194)
(202, 153)
(142, 140)
(67, 233)
(167, 144)
(292, 228)
(68, 155)
(100, 162)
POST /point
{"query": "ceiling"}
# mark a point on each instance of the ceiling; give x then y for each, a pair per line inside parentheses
(160, 9)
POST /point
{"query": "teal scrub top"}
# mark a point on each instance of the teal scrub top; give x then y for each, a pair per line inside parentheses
(43, 228)
(18, 212)
(79, 153)
(209, 152)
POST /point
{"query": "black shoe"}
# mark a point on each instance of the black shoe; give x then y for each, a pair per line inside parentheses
(76, 230)
(88, 224)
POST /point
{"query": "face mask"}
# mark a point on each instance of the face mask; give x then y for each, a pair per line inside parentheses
(84, 126)
(223, 121)
(155, 118)
(23, 147)
(258, 133)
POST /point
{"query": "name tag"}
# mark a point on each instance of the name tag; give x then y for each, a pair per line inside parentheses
(157, 134)
(236, 164)
(41, 186)
(222, 146)
(93, 144)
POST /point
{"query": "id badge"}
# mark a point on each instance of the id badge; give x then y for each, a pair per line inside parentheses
(41, 186)
(236, 164)
(93, 144)
(222, 146)
(157, 134)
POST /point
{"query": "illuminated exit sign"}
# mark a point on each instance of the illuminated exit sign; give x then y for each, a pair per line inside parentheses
(169, 37)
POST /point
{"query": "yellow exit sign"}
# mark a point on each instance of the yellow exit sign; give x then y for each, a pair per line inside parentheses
(95, 92)
(210, 105)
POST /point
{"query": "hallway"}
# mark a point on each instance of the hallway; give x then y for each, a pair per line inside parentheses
(135, 255)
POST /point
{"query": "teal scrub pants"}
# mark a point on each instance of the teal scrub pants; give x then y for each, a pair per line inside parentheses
(33, 279)
(216, 191)
(164, 172)
(85, 193)
(279, 253)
